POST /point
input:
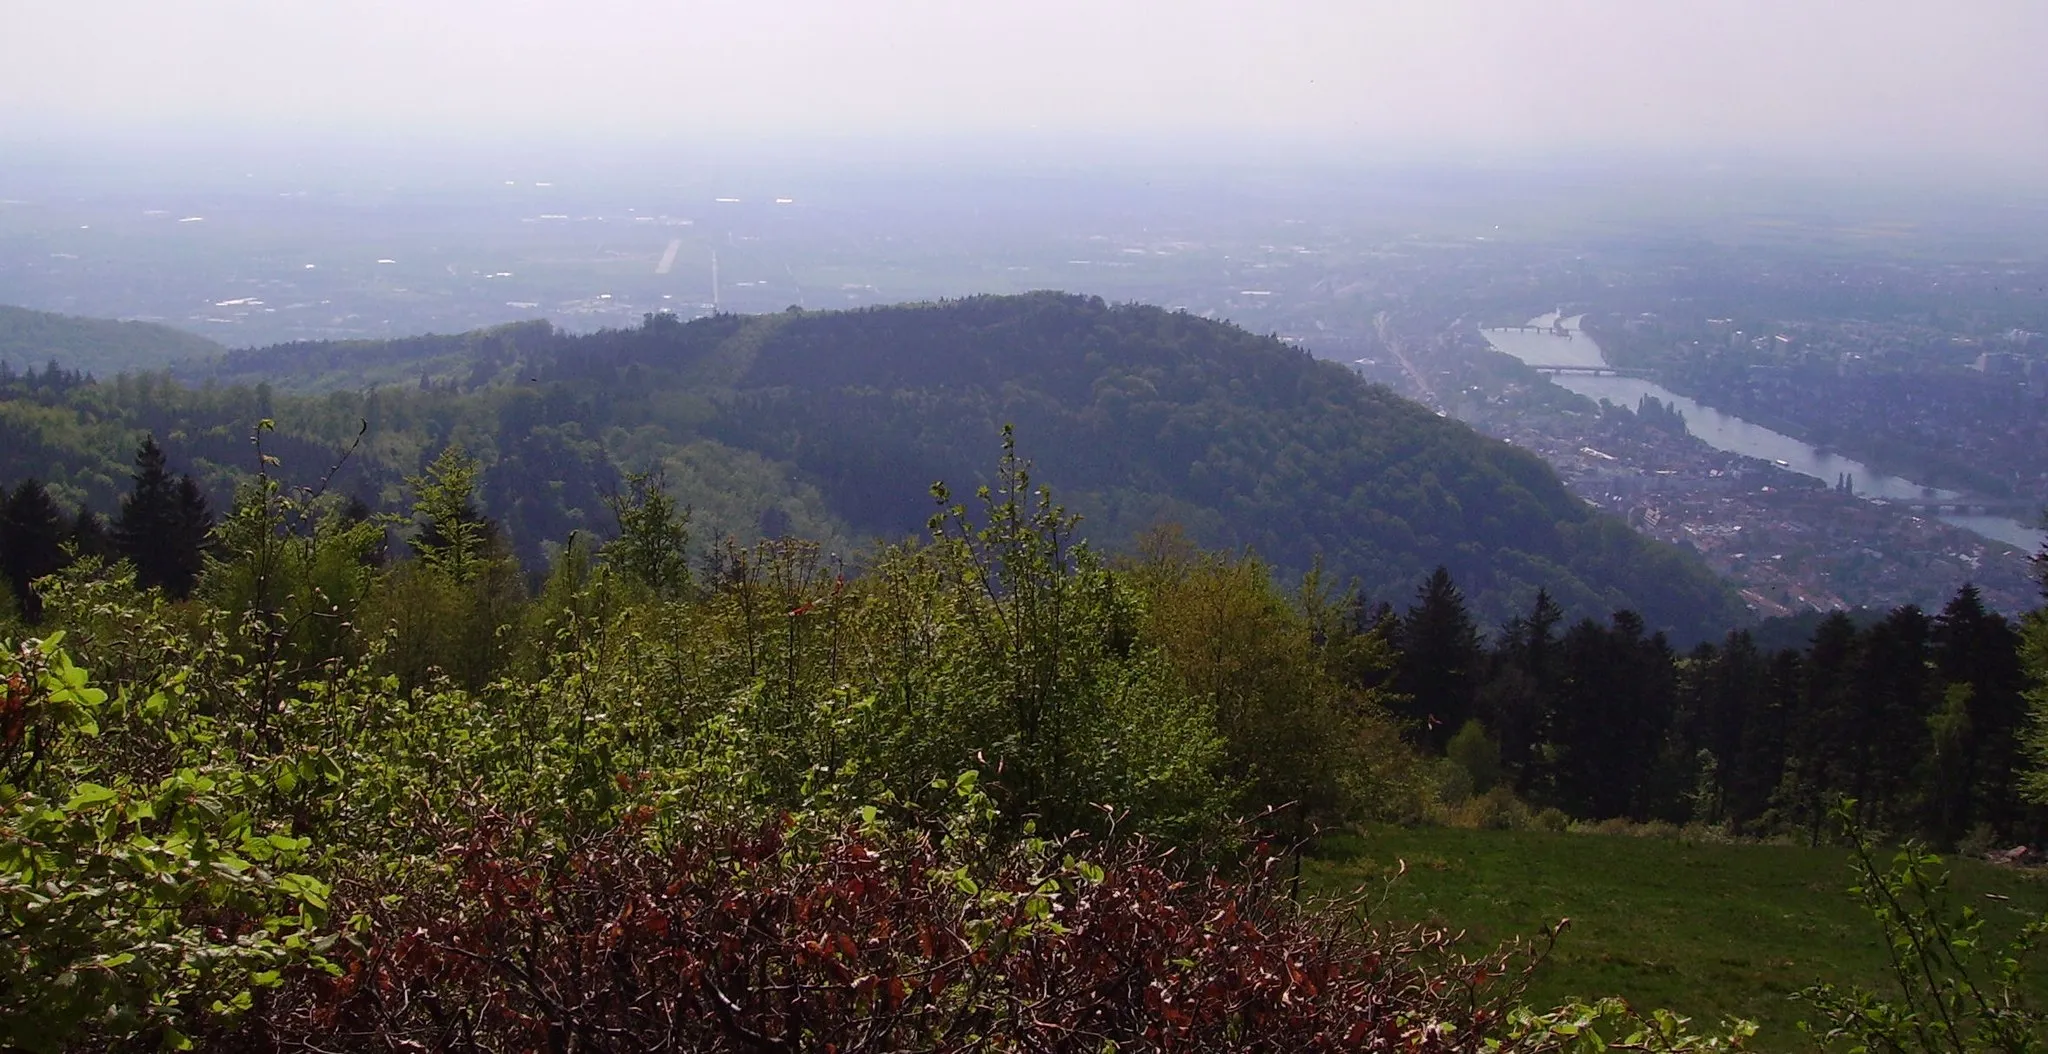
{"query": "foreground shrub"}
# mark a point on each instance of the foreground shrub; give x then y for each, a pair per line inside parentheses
(864, 938)
(1952, 990)
(131, 911)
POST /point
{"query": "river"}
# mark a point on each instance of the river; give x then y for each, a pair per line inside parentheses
(1727, 432)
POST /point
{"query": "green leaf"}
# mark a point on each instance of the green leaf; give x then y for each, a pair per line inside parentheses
(306, 888)
(89, 794)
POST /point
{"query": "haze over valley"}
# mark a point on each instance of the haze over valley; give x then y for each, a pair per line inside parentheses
(1368, 525)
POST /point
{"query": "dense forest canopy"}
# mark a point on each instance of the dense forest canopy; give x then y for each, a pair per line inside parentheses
(96, 345)
(834, 424)
(278, 771)
(292, 778)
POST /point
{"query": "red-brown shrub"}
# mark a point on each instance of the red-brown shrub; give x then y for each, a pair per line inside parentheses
(854, 940)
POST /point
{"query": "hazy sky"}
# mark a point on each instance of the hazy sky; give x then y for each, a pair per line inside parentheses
(1875, 78)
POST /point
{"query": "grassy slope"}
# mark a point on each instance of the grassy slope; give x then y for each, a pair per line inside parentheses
(30, 339)
(1707, 930)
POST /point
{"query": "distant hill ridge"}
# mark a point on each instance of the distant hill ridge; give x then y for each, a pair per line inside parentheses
(31, 339)
(1134, 414)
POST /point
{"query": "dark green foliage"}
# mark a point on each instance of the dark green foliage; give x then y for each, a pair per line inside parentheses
(1921, 720)
(1979, 648)
(163, 525)
(94, 345)
(2034, 738)
(1655, 413)
(31, 543)
(825, 424)
(1440, 658)
(1152, 415)
(89, 535)
(1616, 696)
(1514, 701)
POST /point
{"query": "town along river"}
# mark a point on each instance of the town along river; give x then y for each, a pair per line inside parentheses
(1541, 346)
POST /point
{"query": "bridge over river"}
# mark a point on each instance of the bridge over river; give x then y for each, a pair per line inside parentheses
(1585, 370)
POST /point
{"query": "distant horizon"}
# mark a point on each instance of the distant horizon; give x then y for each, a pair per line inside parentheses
(1913, 86)
(204, 157)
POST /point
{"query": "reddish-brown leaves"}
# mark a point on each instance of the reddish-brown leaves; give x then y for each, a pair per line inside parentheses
(777, 938)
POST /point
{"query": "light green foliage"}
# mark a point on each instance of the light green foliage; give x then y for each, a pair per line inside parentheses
(315, 727)
(123, 633)
(1477, 753)
(452, 534)
(299, 571)
(1611, 1024)
(1285, 683)
(1953, 990)
(1079, 712)
(130, 910)
(2034, 784)
(446, 614)
(652, 549)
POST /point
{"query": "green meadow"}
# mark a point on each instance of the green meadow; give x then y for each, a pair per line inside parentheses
(1708, 929)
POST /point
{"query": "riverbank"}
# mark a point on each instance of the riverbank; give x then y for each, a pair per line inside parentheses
(1943, 476)
(1725, 431)
(1790, 542)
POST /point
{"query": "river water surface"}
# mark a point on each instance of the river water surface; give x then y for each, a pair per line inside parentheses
(1723, 431)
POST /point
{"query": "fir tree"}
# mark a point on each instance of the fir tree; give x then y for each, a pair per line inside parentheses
(1978, 647)
(1515, 701)
(31, 543)
(164, 524)
(1439, 659)
(88, 535)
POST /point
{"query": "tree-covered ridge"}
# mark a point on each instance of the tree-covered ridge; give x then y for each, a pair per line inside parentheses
(355, 786)
(94, 345)
(833, 423)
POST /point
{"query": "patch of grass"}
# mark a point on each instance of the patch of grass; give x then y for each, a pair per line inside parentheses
(1708, 930)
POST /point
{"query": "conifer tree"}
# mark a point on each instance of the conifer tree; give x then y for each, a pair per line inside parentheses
(88, 535)
(31, 543)
(1978, 647)
(454, 536)
(164, 524)
(1814, 766)
(1516, 700)
(1439, 660)
(652, 548)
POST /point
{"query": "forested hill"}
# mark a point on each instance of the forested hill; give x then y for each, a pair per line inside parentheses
(93, 345)
(841, 421)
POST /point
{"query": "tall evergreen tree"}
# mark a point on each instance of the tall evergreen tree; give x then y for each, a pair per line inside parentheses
(1653, 779)
(88, 535)
(1724, 690)
(1817, 727)
(1519, 691)
(1894, 696)
(2040, 558)
(1440, 656)
(1978, 647)
(31, 543)
(163, 525)
(1759, 765)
